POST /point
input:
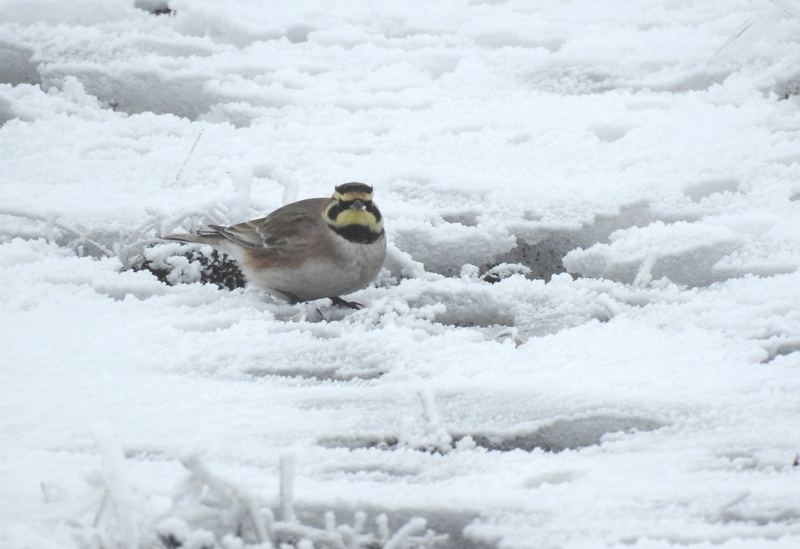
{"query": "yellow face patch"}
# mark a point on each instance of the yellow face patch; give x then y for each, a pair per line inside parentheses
(358, 217)
(338, 218)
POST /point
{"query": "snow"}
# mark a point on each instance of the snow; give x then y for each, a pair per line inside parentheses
(586, 334)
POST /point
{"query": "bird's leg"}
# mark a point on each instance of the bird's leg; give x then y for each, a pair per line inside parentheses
(338, 301)
(289, 296)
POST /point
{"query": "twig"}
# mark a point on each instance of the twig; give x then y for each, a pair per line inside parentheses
(300, 531)
(115, 475)
(434, 430)
(737, 34)
(413, 526)
(780, 8)
(188, 156)
(433, 420)
(53, 223)
(382, 522)
(101, 509)
(230, 489)
(286, 487)
(330, 521)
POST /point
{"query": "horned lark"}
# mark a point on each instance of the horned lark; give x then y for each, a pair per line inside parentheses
(310, 249)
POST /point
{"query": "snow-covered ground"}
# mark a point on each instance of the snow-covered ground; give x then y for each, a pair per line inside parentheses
(587, 333)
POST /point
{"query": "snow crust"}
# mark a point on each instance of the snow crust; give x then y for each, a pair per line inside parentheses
(586, 334)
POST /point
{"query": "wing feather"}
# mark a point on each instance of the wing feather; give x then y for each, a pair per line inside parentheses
(287, 234)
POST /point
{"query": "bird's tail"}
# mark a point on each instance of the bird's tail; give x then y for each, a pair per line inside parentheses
(206, 236)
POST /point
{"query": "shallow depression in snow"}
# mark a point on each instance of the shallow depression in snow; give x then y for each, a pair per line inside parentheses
(555, 436)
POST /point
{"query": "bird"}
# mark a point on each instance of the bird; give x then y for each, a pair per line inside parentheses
(307, 250)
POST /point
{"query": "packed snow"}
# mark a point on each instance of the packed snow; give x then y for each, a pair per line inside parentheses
(586, 333)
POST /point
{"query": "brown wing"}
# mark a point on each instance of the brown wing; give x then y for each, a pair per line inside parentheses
(289, 234)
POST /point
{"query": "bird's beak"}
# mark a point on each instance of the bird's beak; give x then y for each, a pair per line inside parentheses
(357, 205)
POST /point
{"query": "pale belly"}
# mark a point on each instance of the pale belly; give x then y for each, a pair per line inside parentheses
(318, 278)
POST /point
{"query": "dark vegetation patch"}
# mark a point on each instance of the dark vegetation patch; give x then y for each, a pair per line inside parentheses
(215, 268)
(154, 7)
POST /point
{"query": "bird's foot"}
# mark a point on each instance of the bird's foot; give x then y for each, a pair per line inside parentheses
(338, 301)
(288, 296)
